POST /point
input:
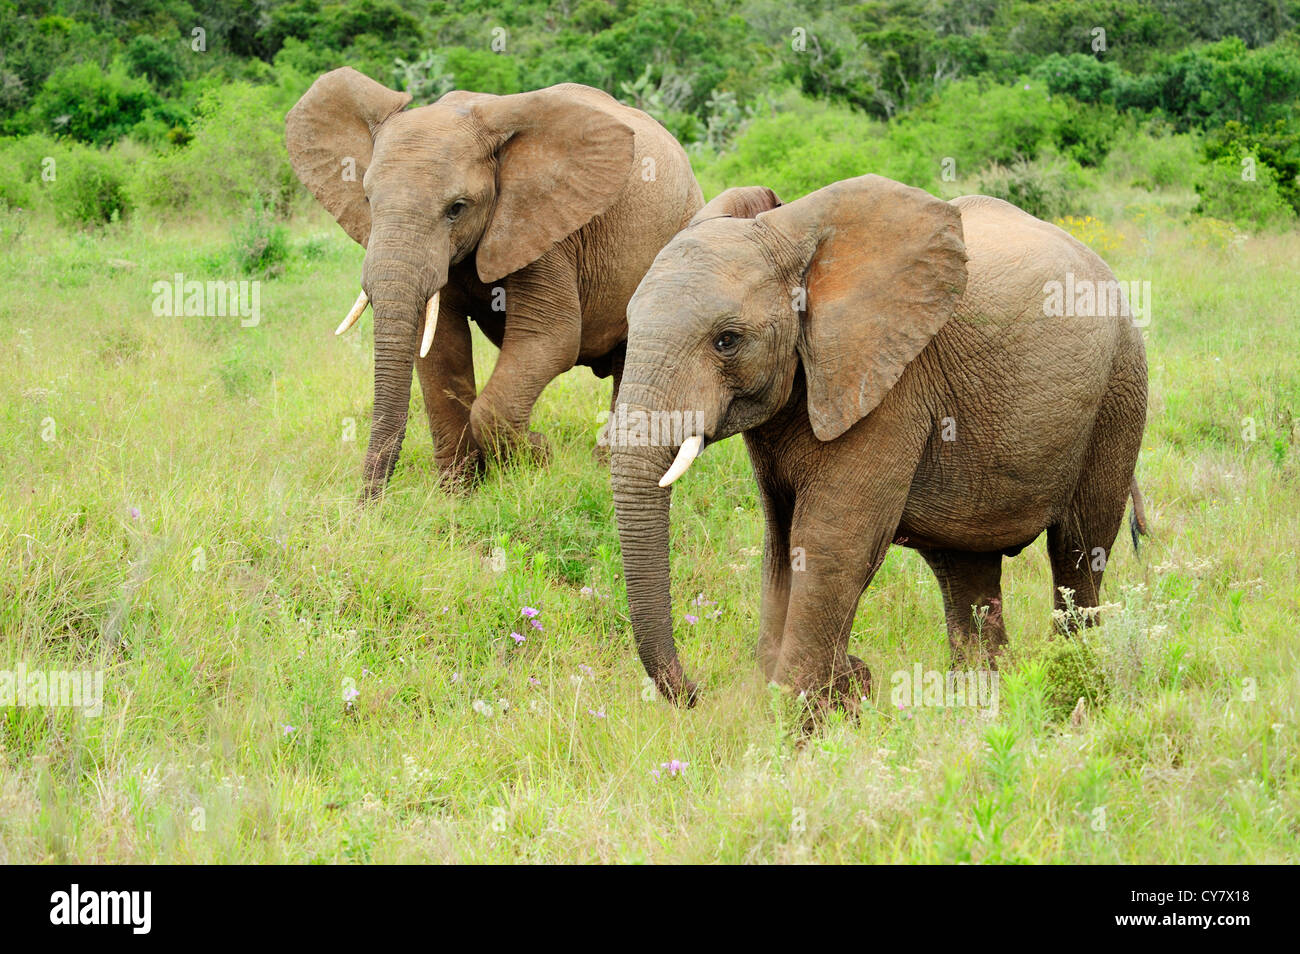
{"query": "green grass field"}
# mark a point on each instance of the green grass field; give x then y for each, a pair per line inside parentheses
(177, 507)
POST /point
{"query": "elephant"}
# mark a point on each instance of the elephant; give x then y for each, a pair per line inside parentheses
(533, 214)
(898, 379)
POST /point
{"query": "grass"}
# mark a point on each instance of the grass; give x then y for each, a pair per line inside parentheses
(190, 527)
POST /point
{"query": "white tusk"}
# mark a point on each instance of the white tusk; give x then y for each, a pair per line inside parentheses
(357, 311)
(430, 323)
(686, 455)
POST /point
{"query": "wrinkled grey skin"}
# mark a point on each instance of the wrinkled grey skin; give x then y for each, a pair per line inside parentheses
(550, 203)
(921, 316)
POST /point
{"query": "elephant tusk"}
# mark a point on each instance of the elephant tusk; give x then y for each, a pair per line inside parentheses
(430, 323)
(686, 455)
(357, 311)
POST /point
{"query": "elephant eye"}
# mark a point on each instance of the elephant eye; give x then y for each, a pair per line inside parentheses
(726, 342)
(456, 208)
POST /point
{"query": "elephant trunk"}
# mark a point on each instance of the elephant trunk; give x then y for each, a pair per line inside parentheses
(642, 508)
(399, 279)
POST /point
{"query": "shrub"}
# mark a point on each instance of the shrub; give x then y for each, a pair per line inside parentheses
(1044, 189)
(1082, 77)
(237, 152)
(1074, 671)
(156, 60)
(23, 159)
(977, 123)
(90, 188)
(1278, 145)
(1225, 194)
(92, 106)
(13, 225)
(261, 243)
(1155, 159)
(483, 71)
(1210, 85)
(801, 147)
(1086, 134)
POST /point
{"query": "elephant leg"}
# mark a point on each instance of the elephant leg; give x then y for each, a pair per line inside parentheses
(1080, 544)
(447, 381)
(972, 603)
(543, 333)
(842, 549)
(778, 567)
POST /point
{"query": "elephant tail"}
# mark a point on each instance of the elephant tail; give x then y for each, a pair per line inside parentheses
(1137, 518)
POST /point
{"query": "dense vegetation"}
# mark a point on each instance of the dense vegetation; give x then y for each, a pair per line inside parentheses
(168, 106)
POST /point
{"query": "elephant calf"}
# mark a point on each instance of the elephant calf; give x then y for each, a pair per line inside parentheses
(535, 215)
(899, 380)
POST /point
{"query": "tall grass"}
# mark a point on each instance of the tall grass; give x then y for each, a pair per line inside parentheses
(291, 678)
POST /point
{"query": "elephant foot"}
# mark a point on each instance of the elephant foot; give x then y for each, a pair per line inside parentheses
(978, 646)
(845, 694)
(460, 475)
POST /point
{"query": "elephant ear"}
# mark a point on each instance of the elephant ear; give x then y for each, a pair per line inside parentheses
(741, 202)
(562, 160)
(885, 265)
(330, 134)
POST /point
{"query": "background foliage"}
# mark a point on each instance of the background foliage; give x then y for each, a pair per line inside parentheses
(186, 99)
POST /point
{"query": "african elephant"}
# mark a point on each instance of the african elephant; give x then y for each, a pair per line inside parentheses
(534, 214)
(897, 377)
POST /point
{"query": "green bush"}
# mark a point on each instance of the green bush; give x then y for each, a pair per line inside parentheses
(1155, 159)
(1207, 86)
(977, 123)
(1224, 194)
(1047, 189)
(24, 159)
(1074, 671)
(801, 147)
(90, 187)
(93, 106)
(261, 243)
(1277, 145)
(1086, 134)
(1079, 76)
(157, 60)
(237, 152)
(483, 71)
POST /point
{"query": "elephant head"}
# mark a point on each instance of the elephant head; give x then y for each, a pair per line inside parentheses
(502, 178)
(850, 283)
